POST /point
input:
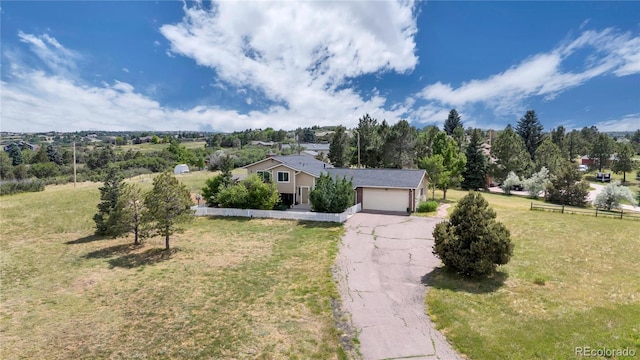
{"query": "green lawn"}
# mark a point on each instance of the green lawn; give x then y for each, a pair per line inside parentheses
(234, 288)
(149, 147)
(573, 281)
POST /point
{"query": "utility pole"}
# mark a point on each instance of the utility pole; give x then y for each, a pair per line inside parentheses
(357, 132)
(74, 164)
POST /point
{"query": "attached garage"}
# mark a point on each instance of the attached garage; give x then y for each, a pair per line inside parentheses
(385, 199)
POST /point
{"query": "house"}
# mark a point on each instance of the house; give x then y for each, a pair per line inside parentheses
(22, 145)
(376, 189)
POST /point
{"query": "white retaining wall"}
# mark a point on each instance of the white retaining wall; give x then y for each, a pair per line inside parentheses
(275, 214)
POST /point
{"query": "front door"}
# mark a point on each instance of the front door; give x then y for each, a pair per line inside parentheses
(304, 194)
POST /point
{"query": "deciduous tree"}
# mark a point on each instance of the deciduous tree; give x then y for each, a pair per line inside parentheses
(434, 166)
(537, 182)
(511, 155)
(609, 198)
(453, 161)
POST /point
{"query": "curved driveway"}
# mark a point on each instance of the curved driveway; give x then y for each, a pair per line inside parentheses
(381, 262)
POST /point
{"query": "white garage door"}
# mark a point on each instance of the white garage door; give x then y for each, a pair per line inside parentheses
(386, 200)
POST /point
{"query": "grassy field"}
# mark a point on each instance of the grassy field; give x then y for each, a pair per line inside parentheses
(149, 147)
(233, 288)
(573, 281)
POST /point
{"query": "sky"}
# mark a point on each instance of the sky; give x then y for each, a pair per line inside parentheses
(233, 65)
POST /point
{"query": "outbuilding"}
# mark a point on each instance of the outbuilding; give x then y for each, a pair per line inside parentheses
(181, 169)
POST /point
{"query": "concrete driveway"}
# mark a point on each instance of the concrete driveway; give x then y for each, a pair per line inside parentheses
(380, 264)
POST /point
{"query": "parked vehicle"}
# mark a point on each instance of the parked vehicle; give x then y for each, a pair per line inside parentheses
(583, 168)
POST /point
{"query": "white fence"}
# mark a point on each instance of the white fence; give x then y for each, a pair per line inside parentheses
(275, 214)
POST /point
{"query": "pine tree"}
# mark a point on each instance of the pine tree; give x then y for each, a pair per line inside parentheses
(110, 192)
(15, 154)
(624, 162)
(475, 171)
(130, 213)
(472, 243)
(338, 147)
(530, 130)
(550, 156)
(601, 150)
(511, 155)
(453, 121)
(168, 206)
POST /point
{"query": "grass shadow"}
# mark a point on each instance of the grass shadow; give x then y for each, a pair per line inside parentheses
(110, 251)
(236, 219)
(441, 278)
(149, 257)
(86, 239)
(318, 224)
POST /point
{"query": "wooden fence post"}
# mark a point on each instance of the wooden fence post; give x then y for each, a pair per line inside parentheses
(596, 212)
(531, 206)
(621, 212)
(562, 208)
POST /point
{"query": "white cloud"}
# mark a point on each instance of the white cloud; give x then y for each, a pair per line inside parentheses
(298, 55)
(288, 51)
(629, 122)
(125, 70)
(542, 74)
(50, 52)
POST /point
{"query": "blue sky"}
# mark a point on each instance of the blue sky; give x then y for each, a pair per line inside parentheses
(165, 65)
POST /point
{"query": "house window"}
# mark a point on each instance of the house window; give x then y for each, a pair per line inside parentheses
(264, 175)
(283, 176)
(421, 191)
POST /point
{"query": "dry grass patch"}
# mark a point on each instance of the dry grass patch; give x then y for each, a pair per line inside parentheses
(233, 288)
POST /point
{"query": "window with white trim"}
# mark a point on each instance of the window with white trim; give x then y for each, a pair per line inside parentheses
(283, 176)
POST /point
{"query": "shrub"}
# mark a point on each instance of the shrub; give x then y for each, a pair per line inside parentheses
(9, 188)
(250, 193)
(566, 188)
(210, 191)
(472, 243)
(428, 206)
(511, 181)
(537, 182)
(611, 195)
(331, 196)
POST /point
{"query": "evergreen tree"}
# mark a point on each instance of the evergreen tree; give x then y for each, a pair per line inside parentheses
(566, 188)
(475, 172)
(453, 121)
(371, 145)
(53, 155)
(6, 169)
(168, 206)
(511, 155)
(130, 213)
(399, 149)
(15, 154)
(40, 157)
(338, 148)
(559, 138)
(530, 130)
(472, 243)
(550, 156)
(331, 195)
(601, 150)
(105, 218)
(624, 162)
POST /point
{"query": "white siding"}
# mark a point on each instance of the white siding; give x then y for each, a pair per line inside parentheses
(385, 199)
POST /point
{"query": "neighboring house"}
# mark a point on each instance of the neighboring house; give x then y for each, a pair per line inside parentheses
(262, 143)
(181, 169)
(322, 147)
(585, 160)
(22, 145)
(376, 189)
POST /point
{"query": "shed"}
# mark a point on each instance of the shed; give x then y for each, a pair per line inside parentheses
(181, 169)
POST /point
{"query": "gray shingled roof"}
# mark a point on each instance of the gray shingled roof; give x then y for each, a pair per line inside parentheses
(303, 163)
(382, 178)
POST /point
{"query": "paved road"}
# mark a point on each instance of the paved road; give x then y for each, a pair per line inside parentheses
(381, 262)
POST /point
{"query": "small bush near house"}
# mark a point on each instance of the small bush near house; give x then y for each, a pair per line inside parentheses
(428, 206)
(472, 243)
(10, 188)
(331, 196)
(251, 193)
